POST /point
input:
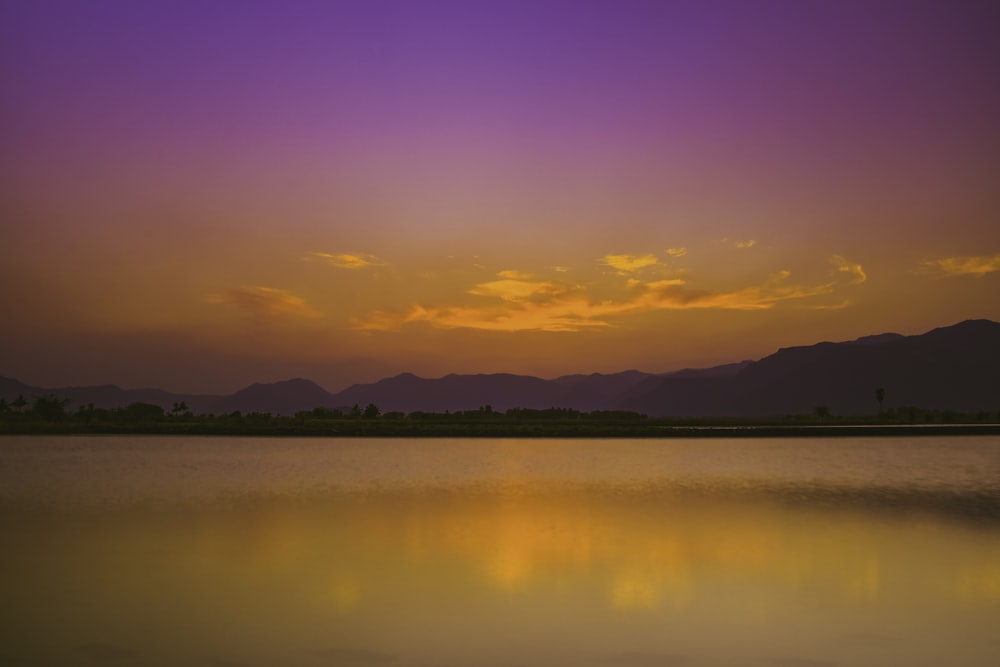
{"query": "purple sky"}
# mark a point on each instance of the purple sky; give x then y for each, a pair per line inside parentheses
(204, 194)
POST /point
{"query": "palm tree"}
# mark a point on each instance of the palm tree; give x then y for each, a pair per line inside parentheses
(880, 396)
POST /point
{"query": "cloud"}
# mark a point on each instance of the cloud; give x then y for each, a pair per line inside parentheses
(516, 286)
(514, 275)
(846, 303)
(677, 252)
(629, 263)
(742, 245)
(525, 305)
(347, 260)
(961, 266)
(553, 316)
(264, 304)
(858, 274)
(675, 295)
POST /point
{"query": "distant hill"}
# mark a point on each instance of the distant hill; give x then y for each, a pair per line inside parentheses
(500, 391)
(951, 368)
(409, 393)
(283, 398)
(106, 396)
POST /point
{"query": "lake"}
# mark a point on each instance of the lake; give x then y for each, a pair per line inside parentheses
(793, 552)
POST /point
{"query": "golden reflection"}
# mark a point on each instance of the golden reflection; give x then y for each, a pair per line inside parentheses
(641, 552)
(865, 583)
(640, 589)
(635, 553)
(980, 583)
(345, 593)
(509, 569)
(405, 573)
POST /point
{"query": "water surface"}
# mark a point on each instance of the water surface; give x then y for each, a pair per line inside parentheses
(270, 551)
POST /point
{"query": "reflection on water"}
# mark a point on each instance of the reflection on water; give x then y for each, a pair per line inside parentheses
(794, 553)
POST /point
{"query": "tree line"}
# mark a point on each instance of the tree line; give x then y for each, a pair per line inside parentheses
(48, 413)
(50, 408)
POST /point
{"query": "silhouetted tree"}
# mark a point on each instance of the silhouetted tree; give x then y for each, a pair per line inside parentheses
(49, 408)
(822, 411)
(19, 403)
(321, 413)
(880, 396)
(143, 412)
(179, 409)
(88, 413)
(371, 411)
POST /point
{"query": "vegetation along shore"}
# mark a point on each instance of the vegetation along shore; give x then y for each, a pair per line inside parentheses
(47, 414)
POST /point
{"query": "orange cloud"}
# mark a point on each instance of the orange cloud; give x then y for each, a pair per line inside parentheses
(346, 260)
(676, 252)
(516, 286)
(673, 295)
(961, 266)
(525, 305)
(746, 244)
(855, 270)
(629, 263)
(553, 316)
(264, 304)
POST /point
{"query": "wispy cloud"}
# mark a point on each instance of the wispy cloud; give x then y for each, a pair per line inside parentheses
(522, 304)
(346, 260)
(961, 266)
(742, 245)
(629, 263)
(675, 295)
(841, 305)
(516, 286)
(676, 252)
(553, 316)
(857, 274)
(264, 304)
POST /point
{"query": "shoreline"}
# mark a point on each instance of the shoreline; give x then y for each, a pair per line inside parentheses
(400, 429)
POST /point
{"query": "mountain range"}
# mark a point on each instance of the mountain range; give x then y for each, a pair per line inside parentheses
(950, 368)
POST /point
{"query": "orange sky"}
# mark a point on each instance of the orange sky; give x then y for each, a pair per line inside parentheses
(199, 199)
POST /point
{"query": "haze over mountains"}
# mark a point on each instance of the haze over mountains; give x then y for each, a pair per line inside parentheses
(950, 368)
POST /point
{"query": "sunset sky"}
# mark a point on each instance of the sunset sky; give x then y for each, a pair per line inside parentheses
(198, 195)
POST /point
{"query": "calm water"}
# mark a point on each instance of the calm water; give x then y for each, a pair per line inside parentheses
(255, 551)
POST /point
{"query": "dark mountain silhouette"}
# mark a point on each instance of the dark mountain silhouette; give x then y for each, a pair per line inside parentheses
(409, 393)
(592, 392)
(503, 391)
(715, 372)
(107, 396)
(10, 388)
(951, 368)
(876, 339)
(280, 398)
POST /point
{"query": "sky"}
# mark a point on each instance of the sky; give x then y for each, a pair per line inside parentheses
(201, 195)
